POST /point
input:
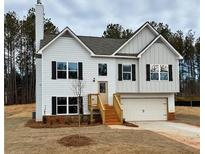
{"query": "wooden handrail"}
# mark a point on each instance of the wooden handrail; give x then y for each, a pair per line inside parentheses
(118, 107)
(101, 107)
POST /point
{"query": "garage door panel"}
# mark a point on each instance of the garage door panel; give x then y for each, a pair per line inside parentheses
(144, 109)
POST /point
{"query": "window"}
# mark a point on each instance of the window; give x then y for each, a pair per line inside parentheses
(102, 87)
(163, 72)
(102, 69)
(62, 105)
(61, 70)
(154, 72)
(72, 70)
(73, 105)
(159, 72)
(126, 72)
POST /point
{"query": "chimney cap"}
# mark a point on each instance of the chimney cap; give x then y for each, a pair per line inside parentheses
(39, 2)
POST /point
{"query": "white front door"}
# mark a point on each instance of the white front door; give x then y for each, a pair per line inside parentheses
(103, 91)
(144, 109)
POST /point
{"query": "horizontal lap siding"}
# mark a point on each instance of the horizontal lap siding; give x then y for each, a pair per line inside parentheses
(159, 53)
(69, 50)
(139, 42)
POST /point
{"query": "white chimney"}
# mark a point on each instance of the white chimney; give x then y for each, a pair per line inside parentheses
(39, 24)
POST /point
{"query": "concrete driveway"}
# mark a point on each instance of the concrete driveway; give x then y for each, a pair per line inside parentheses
(184, 133)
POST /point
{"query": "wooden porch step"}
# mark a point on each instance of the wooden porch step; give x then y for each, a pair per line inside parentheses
(112, 123)
(111, 116)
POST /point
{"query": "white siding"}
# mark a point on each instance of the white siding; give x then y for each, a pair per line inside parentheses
(138, 42)
(68, 49)
(38, 89)
(159, 53)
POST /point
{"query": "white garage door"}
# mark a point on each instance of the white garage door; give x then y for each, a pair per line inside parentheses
(144, 109)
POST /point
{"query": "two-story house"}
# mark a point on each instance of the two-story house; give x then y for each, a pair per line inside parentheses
(135, 78)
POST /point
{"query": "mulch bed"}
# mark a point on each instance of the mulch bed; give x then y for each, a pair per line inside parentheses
(130, 124)
(75, 140)
(33, 124)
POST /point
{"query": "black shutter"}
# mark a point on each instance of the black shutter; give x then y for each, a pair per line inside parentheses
(53, 105)
(80, 71)
(53, 70)
(133, 73)
(120, 72)
(147, 72)
(81, 105)
(170, 73)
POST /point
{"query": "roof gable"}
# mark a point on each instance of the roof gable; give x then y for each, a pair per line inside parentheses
(65, 32)
(135, 34)
(163, 41)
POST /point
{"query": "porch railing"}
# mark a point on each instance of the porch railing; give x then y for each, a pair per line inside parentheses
(95, 102)
(118, 107)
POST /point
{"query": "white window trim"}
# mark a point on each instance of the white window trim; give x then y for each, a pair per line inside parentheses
(106, 67)
(72, 70)
(73, 105)
(61, 105)
(67, 71)
(67, 106)
(127, 72)
(159, 73)
(61, 70)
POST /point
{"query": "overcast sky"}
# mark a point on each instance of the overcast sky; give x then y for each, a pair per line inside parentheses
(90, 17)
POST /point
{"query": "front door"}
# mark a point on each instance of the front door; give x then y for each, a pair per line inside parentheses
(103, 91)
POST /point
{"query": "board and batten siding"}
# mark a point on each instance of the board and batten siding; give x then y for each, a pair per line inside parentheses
(127, 85)
(66, 49)
(159, 53)
(139, 42)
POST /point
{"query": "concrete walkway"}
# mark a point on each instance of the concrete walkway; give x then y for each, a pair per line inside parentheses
(184, 133)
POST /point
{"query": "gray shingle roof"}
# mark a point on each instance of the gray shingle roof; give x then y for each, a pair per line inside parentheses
(99, 45)
(102, 46)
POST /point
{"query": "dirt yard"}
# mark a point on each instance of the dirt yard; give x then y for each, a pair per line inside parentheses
(189, 115)
(23, 140)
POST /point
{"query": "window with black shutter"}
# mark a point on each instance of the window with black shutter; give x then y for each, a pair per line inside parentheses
(120, 72)
(147, 72)
(133, 72)
(53, 69)
(53, 105)
(80, 71)
(170, 73)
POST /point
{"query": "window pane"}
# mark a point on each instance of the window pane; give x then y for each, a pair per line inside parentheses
(62, 109)
(62, 101)
(102, 69)
(72, 100)
(61, 74)
(163, 68)
(126, 76)
(73, 75)
(102, 87)
(163, 76)
(61, 65)
(72, 66)
(154, 68)
(126, 68)
(73, 109)
(154, 76)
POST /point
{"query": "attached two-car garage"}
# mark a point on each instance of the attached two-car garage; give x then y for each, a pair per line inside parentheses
(144, 109)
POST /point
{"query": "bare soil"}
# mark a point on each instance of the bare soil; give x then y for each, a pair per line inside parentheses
(75, 140)
(24, 140)
(189, 115)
